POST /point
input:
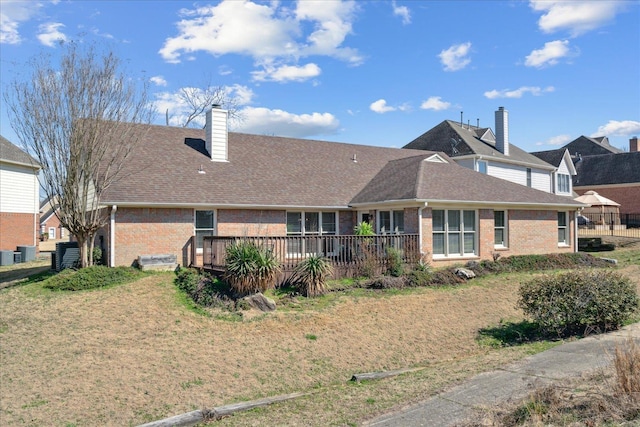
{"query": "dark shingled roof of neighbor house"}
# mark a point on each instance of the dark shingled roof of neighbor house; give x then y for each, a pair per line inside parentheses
(553, 157)
(439, 138)
(606, 169)
(170, 167)
(11, 153)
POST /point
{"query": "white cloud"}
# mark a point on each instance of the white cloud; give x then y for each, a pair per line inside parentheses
(402, 11)
(576, 16)
(619, 128)
(264, 121)
(50, 33)
(270, 33)
(455, 58)
(435, 103)
(549, 54)
(518, 93)
(179, 110)
(559, 140)
(12, 14)
(158, 81)
(287, 73)
(380, 106)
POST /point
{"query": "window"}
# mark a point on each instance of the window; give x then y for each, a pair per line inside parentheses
(482, 167)
(204, 225)
(500, 229)
(309, 224)
(454, 233)
(391, 222)
(528, 177)
(563, 235)
(563, 183)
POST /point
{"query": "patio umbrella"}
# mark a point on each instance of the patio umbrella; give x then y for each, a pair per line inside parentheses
(594, 199)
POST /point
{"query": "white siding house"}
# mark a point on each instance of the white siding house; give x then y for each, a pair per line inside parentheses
(19, 198)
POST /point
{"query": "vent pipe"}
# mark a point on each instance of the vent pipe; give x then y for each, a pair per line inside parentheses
(502, 131)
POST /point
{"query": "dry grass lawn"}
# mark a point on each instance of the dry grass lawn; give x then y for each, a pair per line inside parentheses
(134, 353)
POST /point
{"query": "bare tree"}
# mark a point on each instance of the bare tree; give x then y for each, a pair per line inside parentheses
(195, 101)
(74, 116)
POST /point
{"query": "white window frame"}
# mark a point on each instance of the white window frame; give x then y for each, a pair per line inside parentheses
(486, 167)
(212, 229)
(505, 230)
(563, 228)
(304, 232)
(448, 231)
(393, 226)
(563, 182)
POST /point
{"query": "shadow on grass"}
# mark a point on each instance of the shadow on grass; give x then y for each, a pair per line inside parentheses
(508, 334)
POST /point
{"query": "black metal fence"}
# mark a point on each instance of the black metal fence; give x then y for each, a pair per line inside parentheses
(609, 224)
(348, 254)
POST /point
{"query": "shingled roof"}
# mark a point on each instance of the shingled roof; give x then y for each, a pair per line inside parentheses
(605, 169)
(455, 140)
(586, 146)
(11, 153)
(416, 178)
(170, 167)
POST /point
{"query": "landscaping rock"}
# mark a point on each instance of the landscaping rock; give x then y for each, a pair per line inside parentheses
(260, 302)
(464, 273)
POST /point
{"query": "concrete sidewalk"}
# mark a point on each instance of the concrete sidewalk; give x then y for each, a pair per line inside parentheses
(512, 382)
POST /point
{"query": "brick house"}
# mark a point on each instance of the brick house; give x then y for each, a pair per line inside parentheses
(50, 224)
(19, 197)
(180, 185)
(480, 149)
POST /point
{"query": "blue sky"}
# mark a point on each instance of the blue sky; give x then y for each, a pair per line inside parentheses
(365, 72)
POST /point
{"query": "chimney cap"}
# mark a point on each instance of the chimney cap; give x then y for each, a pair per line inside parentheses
(218, 106)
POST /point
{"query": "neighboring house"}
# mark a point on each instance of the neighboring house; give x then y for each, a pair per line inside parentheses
(19, 197)
(614, 176)
(180, 185)
(565, 169)
(481, 150)
(609, 171)
(50, 224)
(586, 146)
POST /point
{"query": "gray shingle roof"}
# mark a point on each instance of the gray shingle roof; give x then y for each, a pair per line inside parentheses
(269, 171)
(620, 168)
(586, 146)
(439, 138)
(413, 178)
(553, 157)
(13, 154)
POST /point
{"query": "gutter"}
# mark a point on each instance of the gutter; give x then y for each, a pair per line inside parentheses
(112, 237)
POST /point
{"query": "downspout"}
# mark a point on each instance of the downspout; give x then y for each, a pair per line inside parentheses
(112, 237)
(420, 228)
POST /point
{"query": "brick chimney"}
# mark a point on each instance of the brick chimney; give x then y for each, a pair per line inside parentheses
(502, 131)
(633, 144)
(216, 134)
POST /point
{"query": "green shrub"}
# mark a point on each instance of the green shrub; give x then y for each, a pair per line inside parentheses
(310, 276)
(388, 282)
(97, 276)
(395, 266)
(97, 256)
(579, 302)
(364, 229)
(417, 278)
(250, 268)
(203, 289)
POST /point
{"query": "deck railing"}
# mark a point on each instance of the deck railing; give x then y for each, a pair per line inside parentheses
(347, 254)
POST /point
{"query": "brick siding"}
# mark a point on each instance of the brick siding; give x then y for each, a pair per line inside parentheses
(528, 232)
(18, 229)
(152, 231)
